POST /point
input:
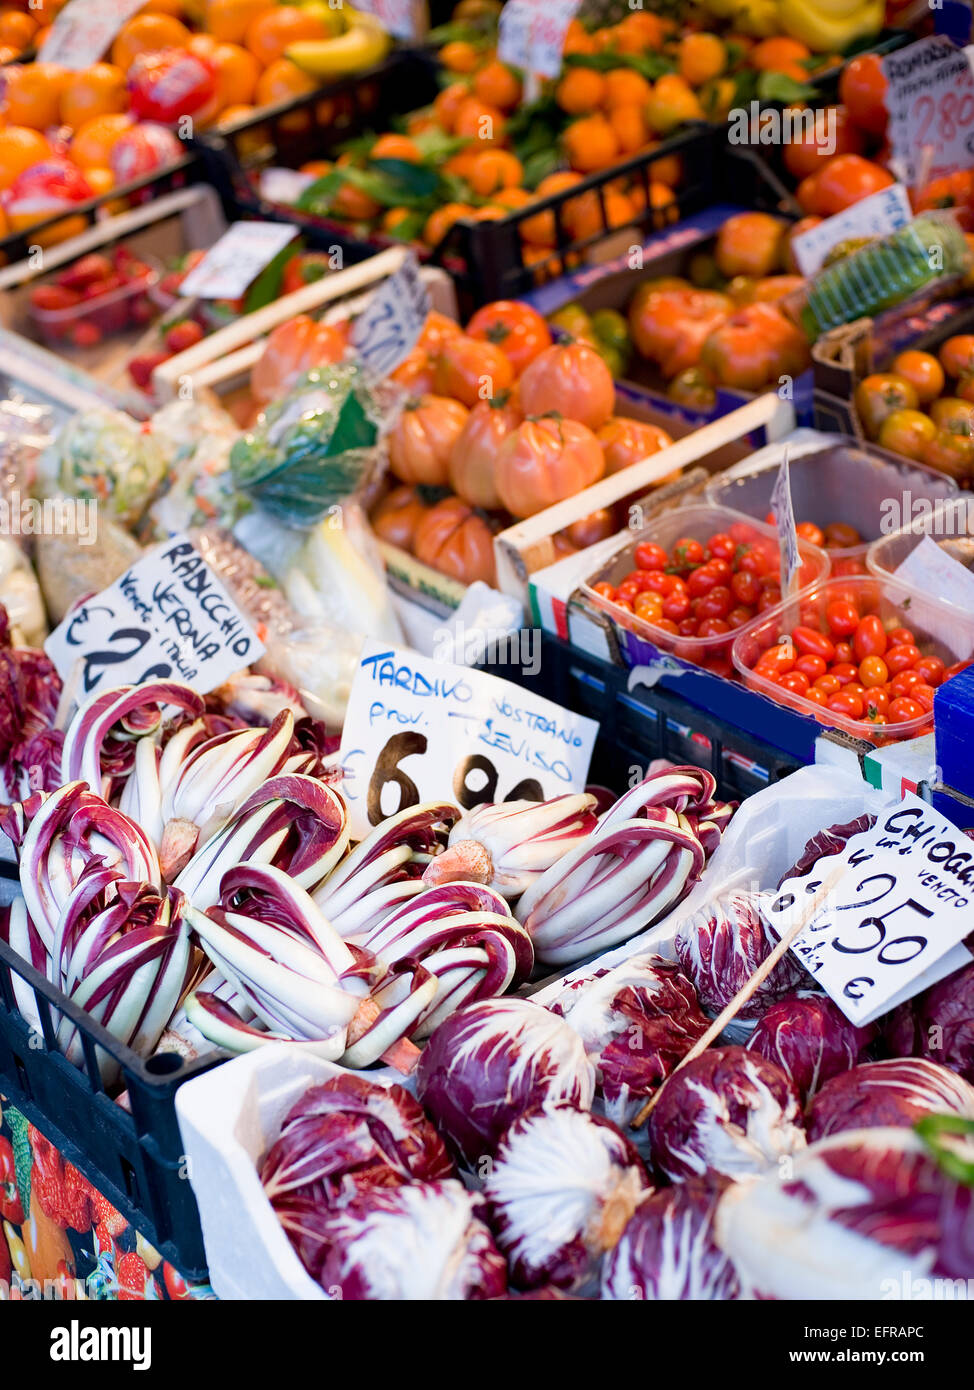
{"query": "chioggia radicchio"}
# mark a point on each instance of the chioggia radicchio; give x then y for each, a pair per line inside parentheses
(863, 1215)
(508, 845)
(644, 855)
(636, 1022)
(938, 1024)
(728, 1112)
(416, 1241)
(560, 1188)
(668, 1252)
(721, 946)
(491, 1061)
(810, 1039)
(895, 1092)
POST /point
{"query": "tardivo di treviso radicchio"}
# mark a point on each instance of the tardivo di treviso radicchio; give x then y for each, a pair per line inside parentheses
(415, 1241)
(938, 1024)
(636, 1022)
(721, 946)
(560, 1188)
(810, 1039)
(898, 1091)
(862, 1215)
(668, 1252)
(490, 1062)
(29, 745)
(726, 1114)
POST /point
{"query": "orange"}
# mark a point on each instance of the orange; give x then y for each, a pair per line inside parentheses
(512, 198)
(353, 204)
(462, 163)
(93, 141)
(590, 144)
(237, 73)
(673, 102)
(648, 28)
(173, 7)
(19, 149)
(45, 11)
(40, 38)
(497, 85)
(493, 170)
(228, 20)
(439, 222)
(661, 198)
(578, 39)
(448, 103)
(580, 91)
(623, 87)
(318, 167)
(668, 170)
(8, 54)
(100, 180)
(33, 94)
(459, 57)
(268, 34)
(539, 230)
(702, 57)
(421, 121)
(16, 29)
(480, 121)
(231, 114)
(147, 33)
(203, 45)
(630, 127)
(778, 54)
(280, 80)
(95, 91)
(585, 218)
(396, 147)
(394, 218)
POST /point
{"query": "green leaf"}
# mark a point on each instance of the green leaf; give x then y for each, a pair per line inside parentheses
(416, 180)
(649, 65)
(778, 86)
(436, 146)
(475, 31)
(317, 196)
(410, 228)
(539, 165)
(267, 287)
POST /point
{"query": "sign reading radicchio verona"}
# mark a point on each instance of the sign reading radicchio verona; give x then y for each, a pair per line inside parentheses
(167, 617)
(893, 924)
(421, 730)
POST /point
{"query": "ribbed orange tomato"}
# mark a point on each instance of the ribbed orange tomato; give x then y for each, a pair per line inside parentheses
(475, 452)
(545, 460)
(572, 379)
(423, 439)
(625, 442)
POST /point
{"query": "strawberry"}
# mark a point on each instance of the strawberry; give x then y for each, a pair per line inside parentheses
(89, 270)
(185, 334)
(86, 334)
(131, 1276)
(48, 297)
(60, 1189)
(108, 1218)
(141, 368)
(141, 310)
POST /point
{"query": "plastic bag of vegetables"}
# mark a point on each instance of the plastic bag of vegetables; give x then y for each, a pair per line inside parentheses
(106, 456)
(315, 446)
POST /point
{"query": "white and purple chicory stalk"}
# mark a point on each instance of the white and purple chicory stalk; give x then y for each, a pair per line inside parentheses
(465, 936)
(668, 1253)
(508, 845)
(422, 1242)
(636, 1022)
(898, 1091)
(644, 855)
(811, 1039)
(727, 1113)
(561, 1187)
(720, 947)
(937, 1024)
(100, 742)
(349, 1133)
(491, 1061)
(862, 1215)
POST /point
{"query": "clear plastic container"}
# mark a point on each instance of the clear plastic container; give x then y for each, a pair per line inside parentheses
(950, 526)
(937, 629)
(88, 322)
(844, 483)
(698, 523)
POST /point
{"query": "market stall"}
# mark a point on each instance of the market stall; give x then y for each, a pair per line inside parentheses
(487, 651)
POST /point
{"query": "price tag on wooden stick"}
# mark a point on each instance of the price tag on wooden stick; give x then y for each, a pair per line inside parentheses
(784, 516)
(422, 730)
(532, 34)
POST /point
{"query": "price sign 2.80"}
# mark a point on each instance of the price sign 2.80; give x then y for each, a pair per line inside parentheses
(475, 780)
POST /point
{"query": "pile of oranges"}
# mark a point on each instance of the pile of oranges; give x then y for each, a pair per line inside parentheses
(78, 126)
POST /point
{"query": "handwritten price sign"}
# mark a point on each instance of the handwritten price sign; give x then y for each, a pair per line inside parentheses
(84, 29)
(784, 515)
(386, 331)
(893, 924)
(930, 101)
(532, 34)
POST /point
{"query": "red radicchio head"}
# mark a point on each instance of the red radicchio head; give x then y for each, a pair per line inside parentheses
(938, 1024)
(721, 946)
(810, 1038)
(895, 1092)
(668, 1252)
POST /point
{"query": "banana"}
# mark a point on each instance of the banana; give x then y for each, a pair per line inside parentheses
(828, 33)
(365, 44)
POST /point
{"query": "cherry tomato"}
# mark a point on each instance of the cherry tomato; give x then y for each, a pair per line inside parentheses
(628, 589)
(902, 709)
(795, 681)
(721, 546)
(604, 588)
(873, 671)
(667, 625)
(817, 697)
(676, 605)
(650, 556)
(770, 598)
(687, 627)
(648, 606)
(716, 604)
(740, 615)
(842, 618)
(811, 665)
(753, 561)
(902, 658)
(624, 603)
(745, 587)
(840, 536)
(778, 658)
(844, 672)
(848, 705)
(661, 583)
(712, 627)
(955, 670)
(877, 701)
(904, 681)
(808, 531)
(848, 564)
(687, 553)
(900, 636)
(828, 684)
(701, 581)
(931, 669)
(869, 638)
(812, 643)
(844, 652)
(721, 569)
(924, 695)
(720, 666)
(741, 532)
(856, 688)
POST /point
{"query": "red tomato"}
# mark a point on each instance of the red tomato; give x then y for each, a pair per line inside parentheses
(845, 704)
(701, 581)
(902, 658)
(745, 587)
(844, 652)
(721, 569)
(812, 643)
(721, 546)
(687, 553)
(717, 603)
(844, 672)
(902, 709)
(628, 589)
(811, 665)
(795, 681)
(817, 697)
(518, 330)
(931, 669)
(808, 531)
(847, 179)
(870, 638)
(900, 636)
(753, 561)
(650, 556)
(873, 671)
(712, 627)
(624, 603)
(828, 684)
(648, 606)
(661, 583)
(904, 681)
(770, 598)
(667, 625)
(955, 670)
(842, 618)
(924, 695)
(862, 91)
(687, 628)
(740, 615)
(676, 605)
(877, 701)
(604, 588)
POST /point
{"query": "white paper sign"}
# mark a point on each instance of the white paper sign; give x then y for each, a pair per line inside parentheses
(784, 516)
(930, 100)
(168, 617)
(386, 331)
(283, 185)
(532, 34)
(84, 29)
(401, 18)
(894, 922)
(233, 263)
(876, 216)
(423, 730)
(929, 567)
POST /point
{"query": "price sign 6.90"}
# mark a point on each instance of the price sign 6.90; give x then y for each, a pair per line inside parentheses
(475, 780)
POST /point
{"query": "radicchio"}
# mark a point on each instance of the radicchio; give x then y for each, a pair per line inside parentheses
(490, 1061)
(867, 1215)
(895, 1092)
(722, 945)
(418, 1241)
(561, 1188)
(668, 1252)
(826, 842)
(938, 1024)
(29, 694)
(636, 1021)
(728, 1112)
(810, 1038)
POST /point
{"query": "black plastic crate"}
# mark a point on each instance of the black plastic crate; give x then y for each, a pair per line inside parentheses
(134, 1156)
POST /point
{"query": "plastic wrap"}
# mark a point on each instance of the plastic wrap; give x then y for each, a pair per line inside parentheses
(107, 457)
